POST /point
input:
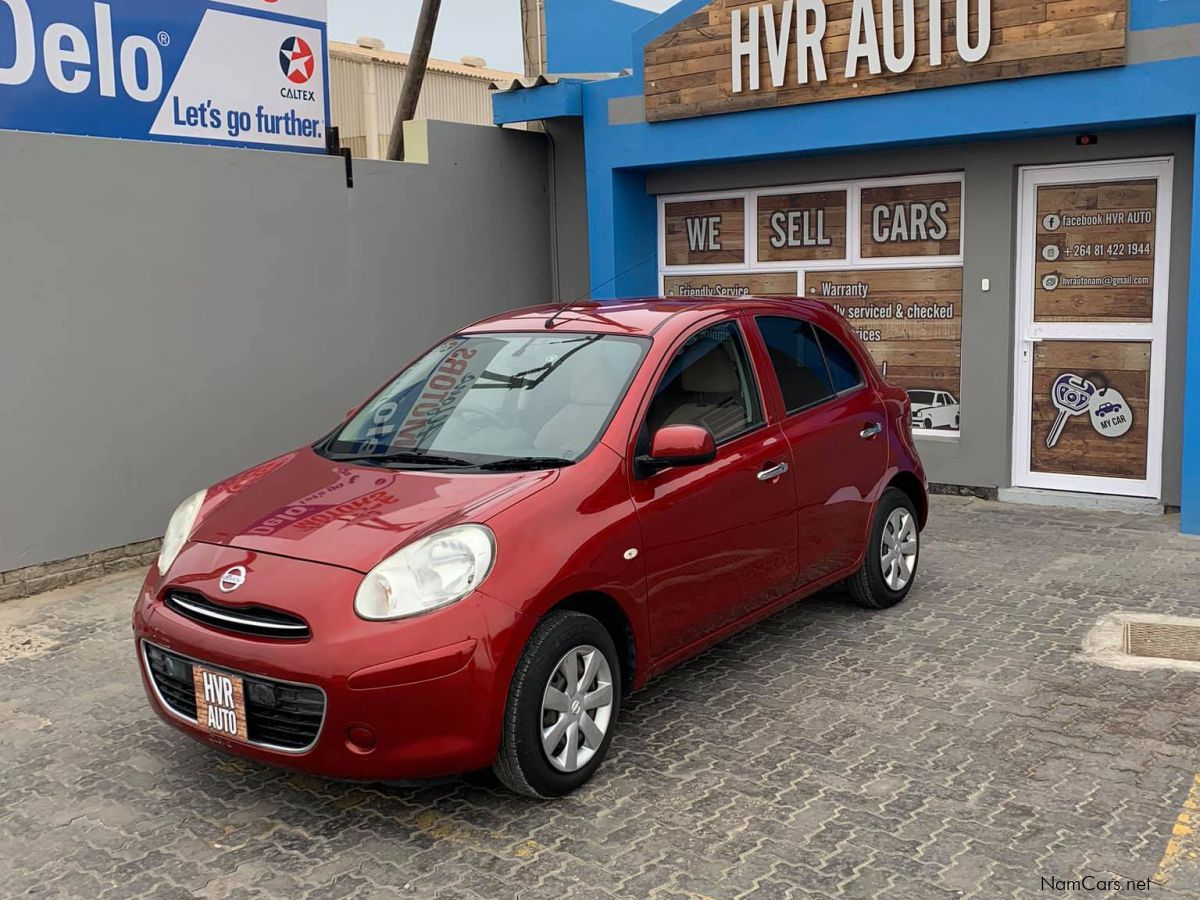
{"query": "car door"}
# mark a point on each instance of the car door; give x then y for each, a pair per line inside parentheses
(835, 427)
(719, 538)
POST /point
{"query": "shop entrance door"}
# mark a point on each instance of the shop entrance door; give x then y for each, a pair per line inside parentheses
(1092, 270)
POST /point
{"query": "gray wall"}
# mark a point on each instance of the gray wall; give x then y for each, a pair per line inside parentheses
(572, 275)
(982, 456)
(171, 315)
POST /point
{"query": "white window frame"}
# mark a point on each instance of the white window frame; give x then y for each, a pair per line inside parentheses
(852, 261)
(1029, 332)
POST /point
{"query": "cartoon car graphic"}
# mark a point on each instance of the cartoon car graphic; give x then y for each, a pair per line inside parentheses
(1107, 409)
(933, 409)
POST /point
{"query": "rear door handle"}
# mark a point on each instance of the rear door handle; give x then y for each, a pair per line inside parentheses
(870, 431)
(772, 472)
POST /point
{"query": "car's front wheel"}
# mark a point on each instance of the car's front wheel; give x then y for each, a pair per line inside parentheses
(562, 707)
(893, 548)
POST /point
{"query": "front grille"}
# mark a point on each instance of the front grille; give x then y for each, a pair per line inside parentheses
(278, 714)
(253, 620)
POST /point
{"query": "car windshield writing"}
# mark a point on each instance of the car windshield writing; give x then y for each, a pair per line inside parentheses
(483, 398)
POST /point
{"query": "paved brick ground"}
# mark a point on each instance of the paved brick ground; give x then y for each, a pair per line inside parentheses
(952, 747)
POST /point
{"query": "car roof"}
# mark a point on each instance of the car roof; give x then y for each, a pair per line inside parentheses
(641, 316)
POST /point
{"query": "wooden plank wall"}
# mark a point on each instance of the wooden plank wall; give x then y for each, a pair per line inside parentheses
(920, 354)
(1081, 450)
(689, 68)
(731, 220)
(832, 207)
(1123, 252)
(758, 284)
(904, 196)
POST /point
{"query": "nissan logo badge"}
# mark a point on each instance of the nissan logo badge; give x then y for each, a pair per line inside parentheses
(232, 579)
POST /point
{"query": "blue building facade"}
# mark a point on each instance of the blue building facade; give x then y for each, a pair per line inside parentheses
(1124, 133)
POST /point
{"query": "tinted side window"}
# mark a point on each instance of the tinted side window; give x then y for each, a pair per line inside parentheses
(842, 367)
(709, 383)
(797, 360)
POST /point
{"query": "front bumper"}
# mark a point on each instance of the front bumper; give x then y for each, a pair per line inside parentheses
(413, 698)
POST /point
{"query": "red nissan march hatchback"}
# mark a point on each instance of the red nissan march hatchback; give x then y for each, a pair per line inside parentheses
(532, 519)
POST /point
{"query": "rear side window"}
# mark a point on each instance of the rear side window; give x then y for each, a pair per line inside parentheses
(842, 367)
(798, 362)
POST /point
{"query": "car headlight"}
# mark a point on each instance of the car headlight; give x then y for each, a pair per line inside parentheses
(179, 529)
(428, 574)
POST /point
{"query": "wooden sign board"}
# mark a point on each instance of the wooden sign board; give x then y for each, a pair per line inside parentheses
(912, 220)
(706, 232)
(802, 226)
(220, 703)
(1095, 252)
(757, 284)
(734, 55)
(911, 322)
(1107, 437)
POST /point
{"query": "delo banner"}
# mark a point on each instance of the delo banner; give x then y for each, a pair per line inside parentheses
(248, 73)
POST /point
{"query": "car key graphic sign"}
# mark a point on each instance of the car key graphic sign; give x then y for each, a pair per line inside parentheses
(1074, 395)
(1071, 395)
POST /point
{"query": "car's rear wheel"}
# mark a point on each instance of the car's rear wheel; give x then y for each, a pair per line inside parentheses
(890, 565)
(562, 707)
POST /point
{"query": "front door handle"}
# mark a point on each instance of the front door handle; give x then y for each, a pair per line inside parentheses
(870, 431)
(772, 472)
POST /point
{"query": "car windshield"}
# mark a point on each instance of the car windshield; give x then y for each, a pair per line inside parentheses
(920, 396)
(495, 399)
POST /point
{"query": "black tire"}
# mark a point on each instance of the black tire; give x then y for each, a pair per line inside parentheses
(927, 424)
(867, 585)
(522, 764)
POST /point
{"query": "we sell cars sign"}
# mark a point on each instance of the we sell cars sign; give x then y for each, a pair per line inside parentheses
(250, 73)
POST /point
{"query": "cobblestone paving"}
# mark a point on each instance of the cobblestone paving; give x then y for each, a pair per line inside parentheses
(954, 746)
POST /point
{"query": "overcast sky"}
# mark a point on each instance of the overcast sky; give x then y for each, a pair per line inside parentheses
(487, 28)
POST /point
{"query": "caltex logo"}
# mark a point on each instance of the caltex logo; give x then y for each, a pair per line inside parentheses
(297, 60)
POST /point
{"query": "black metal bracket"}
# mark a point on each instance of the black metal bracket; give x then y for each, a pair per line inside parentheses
(333, 147)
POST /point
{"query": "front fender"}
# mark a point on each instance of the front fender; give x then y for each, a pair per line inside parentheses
(574, 538)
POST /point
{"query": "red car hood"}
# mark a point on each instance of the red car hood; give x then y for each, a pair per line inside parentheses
(307, 507)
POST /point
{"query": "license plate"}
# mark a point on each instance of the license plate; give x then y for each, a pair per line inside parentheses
(220, 703)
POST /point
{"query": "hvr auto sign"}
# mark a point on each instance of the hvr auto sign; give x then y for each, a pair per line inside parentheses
(189, 71)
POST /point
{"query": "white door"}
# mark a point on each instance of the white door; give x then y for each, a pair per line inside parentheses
(1092, 270)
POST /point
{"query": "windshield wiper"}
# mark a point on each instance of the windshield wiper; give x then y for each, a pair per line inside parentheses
(526, 462)
(403, 456)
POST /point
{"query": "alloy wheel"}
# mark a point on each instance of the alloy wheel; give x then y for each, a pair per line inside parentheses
(898, 553)
(577, 708)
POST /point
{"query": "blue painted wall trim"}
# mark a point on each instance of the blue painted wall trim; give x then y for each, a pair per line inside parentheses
(1145, 14)
(1107, 97)
(550, 101)
(1190, 488)
(591, 35)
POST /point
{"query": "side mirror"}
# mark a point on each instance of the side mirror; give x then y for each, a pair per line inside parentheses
(677, 445)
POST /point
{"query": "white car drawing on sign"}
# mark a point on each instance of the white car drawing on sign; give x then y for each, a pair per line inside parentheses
(933, 409)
